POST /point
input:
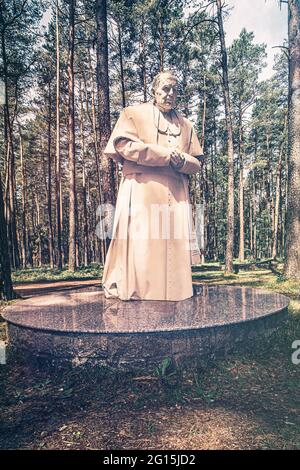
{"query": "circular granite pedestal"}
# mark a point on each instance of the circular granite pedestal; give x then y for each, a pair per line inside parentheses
(82, 326)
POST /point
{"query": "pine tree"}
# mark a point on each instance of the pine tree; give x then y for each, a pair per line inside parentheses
(292, 265)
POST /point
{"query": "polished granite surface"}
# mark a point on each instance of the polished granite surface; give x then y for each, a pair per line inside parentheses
(87, 311)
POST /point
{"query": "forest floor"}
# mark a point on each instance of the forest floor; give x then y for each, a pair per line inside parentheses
(249, 400)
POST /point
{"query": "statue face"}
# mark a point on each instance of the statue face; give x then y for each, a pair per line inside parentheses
(166, 93)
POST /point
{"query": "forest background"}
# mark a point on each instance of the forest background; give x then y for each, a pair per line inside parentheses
(68, 69)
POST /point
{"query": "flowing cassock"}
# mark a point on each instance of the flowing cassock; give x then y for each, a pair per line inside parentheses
(153, 239)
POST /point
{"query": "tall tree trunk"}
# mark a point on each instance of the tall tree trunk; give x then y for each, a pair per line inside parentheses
(241, 190)
(49, 185)
(285, 207)
(203, 119)
(9, 153)
(292, 264)
(185, 91)
(84, 192)
(203, 182)
(71, 139)
(254, 200)
(11, 202)
(278, 194)
(228, 114)
(250, 222)
(143, 61)
(123, 95)
(108, 166)
(161, 45)
(93, 120)
(6, 289)
(57, 153)
(215, 189)
(24, 203)
(38, 229)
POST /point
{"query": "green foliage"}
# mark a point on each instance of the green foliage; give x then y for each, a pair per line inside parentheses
(162, 369)
(145, 37)
(46, 274)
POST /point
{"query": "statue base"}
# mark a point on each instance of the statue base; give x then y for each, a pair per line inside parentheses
(81, 326)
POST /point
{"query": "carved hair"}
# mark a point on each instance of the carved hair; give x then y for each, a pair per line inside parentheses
(156, 80)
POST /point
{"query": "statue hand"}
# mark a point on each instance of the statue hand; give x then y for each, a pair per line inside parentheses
(177, 160)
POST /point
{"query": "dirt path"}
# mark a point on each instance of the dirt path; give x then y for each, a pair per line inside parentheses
(29, 289)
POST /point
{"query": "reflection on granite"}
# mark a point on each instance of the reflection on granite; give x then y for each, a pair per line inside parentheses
(88, 311)
(81, 327)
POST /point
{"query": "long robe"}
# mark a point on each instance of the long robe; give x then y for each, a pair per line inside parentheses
(153, 241)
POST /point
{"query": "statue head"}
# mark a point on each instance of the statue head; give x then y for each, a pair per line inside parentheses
(164, 90)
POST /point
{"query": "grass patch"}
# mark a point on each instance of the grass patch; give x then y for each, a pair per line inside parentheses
(93, 271)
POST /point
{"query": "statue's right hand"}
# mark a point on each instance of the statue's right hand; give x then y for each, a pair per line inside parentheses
(177, 160)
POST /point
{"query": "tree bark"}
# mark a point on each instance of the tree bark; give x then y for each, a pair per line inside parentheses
(6, 288)
(84, 192)
(292, 264)
(143, 61)
(57, 153)
(24, 203)
(49, 184)
(241, 190)
(228, 114)
(9, 154)
(161, 45)
(93, 120)
(108, 166)
(71, 141)
(123, 94)
(278, 194)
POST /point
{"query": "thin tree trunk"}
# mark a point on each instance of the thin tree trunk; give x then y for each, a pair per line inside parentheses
(278, 194)
(24, 203)
(10, 172)
(49, 186)
(38, 228)
(161, 45)
(6, 290)
(57, 153)
(228, 114)
(93, 121)
(215, 189)
(285, 206)
(250, 224)
(84, 196)
(10, 211)
(123, 95)
(203, 120)
(107, 164)
(292, 264)
(185, 91)
(71, 141)
(203, 176)
(241, 190)
(143, 61)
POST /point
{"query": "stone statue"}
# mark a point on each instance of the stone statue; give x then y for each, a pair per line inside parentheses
(153, 244)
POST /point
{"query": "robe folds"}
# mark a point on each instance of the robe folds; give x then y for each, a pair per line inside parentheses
(153, 241)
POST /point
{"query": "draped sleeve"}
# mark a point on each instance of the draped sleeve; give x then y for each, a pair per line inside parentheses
(124, 128)
(195, 148)
(124, 143)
